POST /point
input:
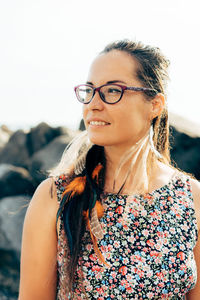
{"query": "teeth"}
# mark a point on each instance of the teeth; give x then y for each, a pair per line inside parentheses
(98, 123)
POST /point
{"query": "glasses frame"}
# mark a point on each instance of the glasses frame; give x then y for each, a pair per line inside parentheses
(123, 87)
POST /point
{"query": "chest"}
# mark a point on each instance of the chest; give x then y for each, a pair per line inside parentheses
(149, 246)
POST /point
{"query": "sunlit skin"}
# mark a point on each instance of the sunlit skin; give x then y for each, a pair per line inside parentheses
(129, 119)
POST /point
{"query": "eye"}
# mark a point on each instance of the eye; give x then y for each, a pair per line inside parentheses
(85, 90)
(114, 90)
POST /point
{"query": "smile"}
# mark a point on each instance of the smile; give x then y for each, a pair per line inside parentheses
(98, 123)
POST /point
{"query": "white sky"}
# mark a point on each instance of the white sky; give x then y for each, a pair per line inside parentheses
(46, 48)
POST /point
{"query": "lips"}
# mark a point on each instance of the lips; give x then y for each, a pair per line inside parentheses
(97, 122)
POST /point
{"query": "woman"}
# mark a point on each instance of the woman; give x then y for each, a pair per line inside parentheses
(115, 220)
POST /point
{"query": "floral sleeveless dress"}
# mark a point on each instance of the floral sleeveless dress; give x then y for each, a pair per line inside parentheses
(148, 241)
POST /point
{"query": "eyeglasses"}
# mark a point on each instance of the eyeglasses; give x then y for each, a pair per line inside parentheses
(109, 93)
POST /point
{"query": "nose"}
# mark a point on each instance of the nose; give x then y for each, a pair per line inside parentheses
(96, 102)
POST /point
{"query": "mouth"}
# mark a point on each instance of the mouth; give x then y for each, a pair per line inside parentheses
(98, 123)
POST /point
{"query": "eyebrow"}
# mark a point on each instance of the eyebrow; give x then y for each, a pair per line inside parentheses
(108, 82)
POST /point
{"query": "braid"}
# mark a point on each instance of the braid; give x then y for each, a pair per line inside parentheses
(161, 135)
(80, 196)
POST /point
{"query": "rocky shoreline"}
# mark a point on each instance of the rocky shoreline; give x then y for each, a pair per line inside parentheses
(25, 158)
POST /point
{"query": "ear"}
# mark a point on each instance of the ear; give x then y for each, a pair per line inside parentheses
(157, 105)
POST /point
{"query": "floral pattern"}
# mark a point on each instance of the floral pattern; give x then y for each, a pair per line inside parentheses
(148, 241)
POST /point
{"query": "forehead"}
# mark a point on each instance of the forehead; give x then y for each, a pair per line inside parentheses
(114, 65)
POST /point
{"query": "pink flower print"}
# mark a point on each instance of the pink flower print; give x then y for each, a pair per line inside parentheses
(119, 209)
(184, 227)
(87, 264)
(89, 287)
(125, 227)
(121, 201)
(161, 284)
(110, 214)
(150, 243)
(96, 268)
(116, 244)
(154, 214)
(172, 259)
(181, 255)
(125, 260)
(93, 257)
(143, 213)
(154, 253)
(131, 239)
(183, 267)
(113, 274)
(120, 220)
(170, 199)
(172, 230)
(145, 232)
(155, 222)
(165, 242)
(88, 247)
(150, 295)
(100, 291)
(110, 247)
(134, 212)
(159, 275)
(136, 223)
(123, 270)
(149, 274)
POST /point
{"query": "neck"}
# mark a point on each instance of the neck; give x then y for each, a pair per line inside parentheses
(118, 165)
(128, 167)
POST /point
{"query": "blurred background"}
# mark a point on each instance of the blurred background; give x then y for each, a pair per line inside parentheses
(46, 49)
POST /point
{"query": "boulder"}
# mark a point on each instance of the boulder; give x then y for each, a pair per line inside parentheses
(5, 134)
(12, 212)
(15, 181)
(15, 151)
(9, 275)
(185, 152)
(48, 157)
(82, 125)
(41, 135)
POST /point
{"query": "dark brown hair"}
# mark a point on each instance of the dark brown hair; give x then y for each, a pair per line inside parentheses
(152, 72)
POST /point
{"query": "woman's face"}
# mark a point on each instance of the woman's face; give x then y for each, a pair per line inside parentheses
(128, 120)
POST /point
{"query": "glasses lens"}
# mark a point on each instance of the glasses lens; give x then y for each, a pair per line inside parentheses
(84, 93)
(111, 93)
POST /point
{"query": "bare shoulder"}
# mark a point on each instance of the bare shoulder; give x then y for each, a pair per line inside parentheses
(46, 191)
(44, 200)
(39, 245)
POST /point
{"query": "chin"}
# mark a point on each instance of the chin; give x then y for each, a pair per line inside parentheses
(100, 141)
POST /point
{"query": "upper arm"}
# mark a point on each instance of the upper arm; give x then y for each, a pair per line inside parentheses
(194, 294)
(38, 270)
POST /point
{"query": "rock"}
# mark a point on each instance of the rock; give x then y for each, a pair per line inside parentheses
(41, 135)
(12, 212)
(9, 275)
(5, 134)
(185, 152)
(82, 125)
(48, 157)
(15, 151)
(15, 181)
